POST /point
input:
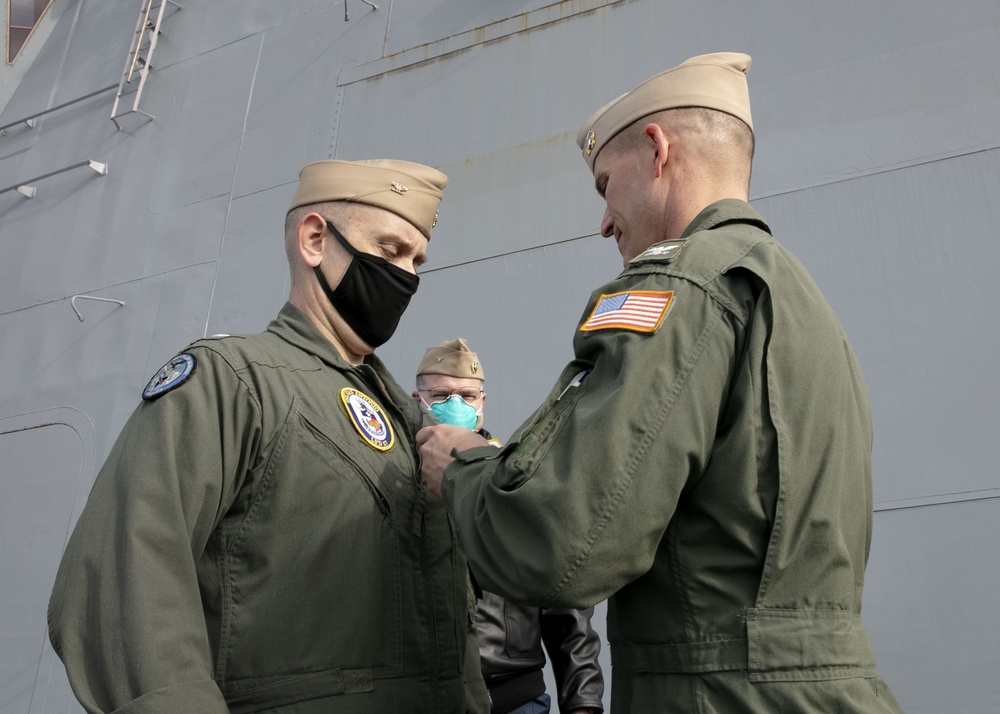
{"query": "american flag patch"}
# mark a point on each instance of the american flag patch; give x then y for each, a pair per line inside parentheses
(639, 310)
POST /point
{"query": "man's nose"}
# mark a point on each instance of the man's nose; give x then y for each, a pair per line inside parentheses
(607, 224)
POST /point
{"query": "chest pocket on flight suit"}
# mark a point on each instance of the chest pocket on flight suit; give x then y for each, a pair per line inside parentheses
(316, 561)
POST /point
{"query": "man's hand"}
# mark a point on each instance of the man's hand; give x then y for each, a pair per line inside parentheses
(436, 444)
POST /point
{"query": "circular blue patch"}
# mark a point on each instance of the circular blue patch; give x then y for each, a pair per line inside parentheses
(171, 375)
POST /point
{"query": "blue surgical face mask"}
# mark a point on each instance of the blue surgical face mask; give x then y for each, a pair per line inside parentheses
(456, 411)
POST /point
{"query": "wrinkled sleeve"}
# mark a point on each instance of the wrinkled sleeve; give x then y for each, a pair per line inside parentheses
(575, 506)
(573, 647)
(126, 613)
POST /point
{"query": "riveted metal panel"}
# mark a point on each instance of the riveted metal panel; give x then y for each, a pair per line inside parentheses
(415, 24)
(205, 26)
(201, 143)
(294, 112)
(840, 121)
(47, 459)
(253, 278)
(927, 606)
(101, 364)
(505, 137)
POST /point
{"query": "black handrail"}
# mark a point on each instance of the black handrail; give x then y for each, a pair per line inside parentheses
(90, 162)
(5, 127)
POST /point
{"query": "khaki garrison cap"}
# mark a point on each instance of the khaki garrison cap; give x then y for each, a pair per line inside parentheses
(717, 81)
(453, 359)
(411, 191)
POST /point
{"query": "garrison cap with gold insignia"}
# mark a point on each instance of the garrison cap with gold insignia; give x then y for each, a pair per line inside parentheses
(715, 81)
(452, 358)
(411, 191)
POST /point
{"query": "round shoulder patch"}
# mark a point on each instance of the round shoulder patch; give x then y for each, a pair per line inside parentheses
(172, 374)
(368, 419)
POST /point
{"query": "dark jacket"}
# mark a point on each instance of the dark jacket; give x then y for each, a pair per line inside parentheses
(510, 652)
(511, 657)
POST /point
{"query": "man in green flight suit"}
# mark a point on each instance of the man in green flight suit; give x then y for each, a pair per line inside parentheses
(259, 538)
(705, 461)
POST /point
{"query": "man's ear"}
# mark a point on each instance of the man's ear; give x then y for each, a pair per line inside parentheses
(311, 234)
(415, 394)
(660, 145)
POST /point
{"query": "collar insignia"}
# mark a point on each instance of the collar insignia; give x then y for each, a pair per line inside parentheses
(666, 250)
(474, 366)
(662, 250)
(368, 418)
(398, 188)
(591, 142)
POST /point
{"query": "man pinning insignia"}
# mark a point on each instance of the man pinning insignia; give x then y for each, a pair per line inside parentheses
(705, 461)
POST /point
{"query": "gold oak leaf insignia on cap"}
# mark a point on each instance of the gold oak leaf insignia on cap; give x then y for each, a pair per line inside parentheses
(399, 188)
(591, 142)
(474, 366)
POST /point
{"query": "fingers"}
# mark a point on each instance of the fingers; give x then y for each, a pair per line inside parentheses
(435, 444)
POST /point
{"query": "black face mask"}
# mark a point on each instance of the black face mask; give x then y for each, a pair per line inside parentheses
(372, 295)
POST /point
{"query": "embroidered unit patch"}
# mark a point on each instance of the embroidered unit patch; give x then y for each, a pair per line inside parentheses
(368, 418)
(638, 310)
(171, 375)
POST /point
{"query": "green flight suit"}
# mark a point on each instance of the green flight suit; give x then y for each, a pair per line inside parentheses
(705, 463)
(254, 543)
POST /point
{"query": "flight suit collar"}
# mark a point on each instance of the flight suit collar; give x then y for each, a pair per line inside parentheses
(728, 210)
(295, 328)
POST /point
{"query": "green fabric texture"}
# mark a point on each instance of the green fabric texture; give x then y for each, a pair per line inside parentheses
(245, 548)
(711, 478)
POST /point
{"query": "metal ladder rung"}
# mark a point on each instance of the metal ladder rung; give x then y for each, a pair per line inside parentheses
(140, 55)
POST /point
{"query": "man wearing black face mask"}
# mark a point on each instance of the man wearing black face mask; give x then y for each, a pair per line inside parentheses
(259, 537)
